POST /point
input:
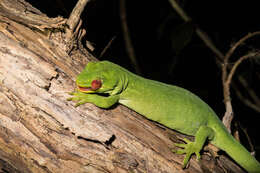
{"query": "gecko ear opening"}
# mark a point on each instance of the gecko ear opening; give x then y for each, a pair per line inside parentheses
(96, 84)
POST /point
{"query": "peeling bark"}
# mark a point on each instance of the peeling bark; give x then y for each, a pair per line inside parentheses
(40, 131)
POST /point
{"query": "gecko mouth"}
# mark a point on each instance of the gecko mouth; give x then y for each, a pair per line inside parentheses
(85, 89)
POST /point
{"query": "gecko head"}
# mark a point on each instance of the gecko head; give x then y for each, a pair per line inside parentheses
(98, 77)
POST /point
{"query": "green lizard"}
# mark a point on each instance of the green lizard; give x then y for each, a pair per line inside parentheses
(105, 84)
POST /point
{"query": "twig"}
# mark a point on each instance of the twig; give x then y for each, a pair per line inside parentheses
(226, 88)
(226, 78)
(208, 42)
(74, 18)
(243, 39)
(127, 38)
(237, 63)
(244, 83)
(107, 46)
(248, 139)
(179, 10)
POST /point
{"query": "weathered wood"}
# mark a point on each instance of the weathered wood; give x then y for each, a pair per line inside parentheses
(40, 131)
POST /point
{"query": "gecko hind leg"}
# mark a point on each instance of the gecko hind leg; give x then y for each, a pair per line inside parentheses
(195, 147)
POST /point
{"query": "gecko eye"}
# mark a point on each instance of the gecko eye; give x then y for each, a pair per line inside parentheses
(96, 84)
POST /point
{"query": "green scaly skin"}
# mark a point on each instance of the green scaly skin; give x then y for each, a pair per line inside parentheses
(172, 106)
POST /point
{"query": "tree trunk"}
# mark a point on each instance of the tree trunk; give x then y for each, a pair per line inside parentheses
(40, 131)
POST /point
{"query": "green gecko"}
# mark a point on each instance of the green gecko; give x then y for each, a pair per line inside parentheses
(105, 84)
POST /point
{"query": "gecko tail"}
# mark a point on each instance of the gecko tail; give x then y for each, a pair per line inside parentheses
(237, 152)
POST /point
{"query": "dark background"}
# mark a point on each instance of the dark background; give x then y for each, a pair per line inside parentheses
(154, 27)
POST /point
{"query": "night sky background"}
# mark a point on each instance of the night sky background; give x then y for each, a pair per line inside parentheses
(155, 31)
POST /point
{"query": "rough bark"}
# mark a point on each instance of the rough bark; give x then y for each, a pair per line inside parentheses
(40, 131)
